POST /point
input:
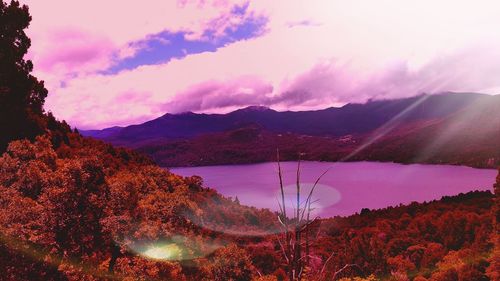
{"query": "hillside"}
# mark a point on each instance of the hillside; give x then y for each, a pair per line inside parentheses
(74, 208)
(467, 137)
(448, 128)
(349, 119)
(88, 211)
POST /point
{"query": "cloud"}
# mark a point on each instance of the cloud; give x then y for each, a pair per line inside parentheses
(312, 54)
(329, 83)
(221, 94)
(471, 70)
(325, 84)
(201, 83)
(95, 33)
(76, 52)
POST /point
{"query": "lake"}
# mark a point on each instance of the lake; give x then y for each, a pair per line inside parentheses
(347, 187)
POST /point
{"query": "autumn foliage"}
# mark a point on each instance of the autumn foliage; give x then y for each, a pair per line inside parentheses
(83, 212)
(74, 208)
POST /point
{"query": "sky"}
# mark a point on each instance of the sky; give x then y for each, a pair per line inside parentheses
(115, 63)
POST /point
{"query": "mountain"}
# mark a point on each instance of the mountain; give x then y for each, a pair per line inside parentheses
(349, 119)
(75, 208)
(453, 128)
(469, 136)
(102, 134)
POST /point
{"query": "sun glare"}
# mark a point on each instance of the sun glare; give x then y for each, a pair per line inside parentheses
(162, 252)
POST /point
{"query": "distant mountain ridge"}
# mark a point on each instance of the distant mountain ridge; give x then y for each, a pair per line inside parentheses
(349, 119)
(450, 128)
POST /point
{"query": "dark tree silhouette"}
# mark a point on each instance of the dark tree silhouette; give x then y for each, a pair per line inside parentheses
(21, 94)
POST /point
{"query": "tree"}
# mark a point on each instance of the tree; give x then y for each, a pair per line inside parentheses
(493, 271)
(75, 204)
(139, 269)
(21, 94)
(295, 239)
(229, 263)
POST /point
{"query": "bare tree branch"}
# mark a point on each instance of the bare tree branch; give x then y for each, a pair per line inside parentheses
(326, 263)
(344, 268)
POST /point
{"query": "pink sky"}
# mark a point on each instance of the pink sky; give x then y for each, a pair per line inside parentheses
(308, 54)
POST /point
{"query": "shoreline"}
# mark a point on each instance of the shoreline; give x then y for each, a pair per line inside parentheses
(333, 162)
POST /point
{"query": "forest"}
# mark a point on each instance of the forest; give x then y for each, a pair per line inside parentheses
(84, 211)
(255, 144)
(76, 208)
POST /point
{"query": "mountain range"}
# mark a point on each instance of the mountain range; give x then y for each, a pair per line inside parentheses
(454, 128)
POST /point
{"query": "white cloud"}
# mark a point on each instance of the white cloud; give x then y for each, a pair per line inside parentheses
(332, 51)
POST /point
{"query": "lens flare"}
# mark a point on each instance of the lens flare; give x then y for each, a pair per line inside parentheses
(322, 196)
(177, 248)
(385, 129)
(163, 252)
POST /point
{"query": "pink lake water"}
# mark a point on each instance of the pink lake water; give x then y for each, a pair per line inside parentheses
(346, 188)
